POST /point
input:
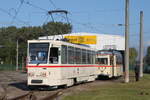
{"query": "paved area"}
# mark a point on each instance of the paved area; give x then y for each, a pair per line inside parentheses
(14, 84)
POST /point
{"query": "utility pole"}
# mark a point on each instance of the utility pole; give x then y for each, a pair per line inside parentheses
(17, 56)
(141, 45)
(126, 80)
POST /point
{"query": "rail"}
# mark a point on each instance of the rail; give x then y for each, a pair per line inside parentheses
(31, 96)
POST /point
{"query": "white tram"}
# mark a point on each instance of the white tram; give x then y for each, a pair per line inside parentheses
(57, 63)
(110, 63)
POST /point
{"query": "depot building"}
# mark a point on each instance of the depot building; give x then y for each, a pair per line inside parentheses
(94, 40)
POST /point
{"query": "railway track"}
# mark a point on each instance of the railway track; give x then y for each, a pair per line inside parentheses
(55, 94)
(21, 92)
(32, 96)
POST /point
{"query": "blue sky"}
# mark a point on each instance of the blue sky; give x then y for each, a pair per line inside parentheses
(96, 16)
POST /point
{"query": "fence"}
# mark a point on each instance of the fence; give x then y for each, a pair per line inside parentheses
(146, 68)
(9, 67)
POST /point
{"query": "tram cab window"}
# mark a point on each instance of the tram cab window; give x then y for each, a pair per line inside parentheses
(42, 55)
(38, 53)
(53, 59)
(102, 61)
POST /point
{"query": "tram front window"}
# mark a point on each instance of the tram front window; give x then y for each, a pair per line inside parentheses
(102, 61)
(38, 53)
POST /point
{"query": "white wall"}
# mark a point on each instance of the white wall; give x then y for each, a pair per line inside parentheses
(102, 40)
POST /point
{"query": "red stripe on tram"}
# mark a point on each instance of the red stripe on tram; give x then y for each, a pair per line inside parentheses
(69, 66)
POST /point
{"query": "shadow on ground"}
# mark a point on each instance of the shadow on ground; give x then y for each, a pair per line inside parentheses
(25, 87)
(20, 85)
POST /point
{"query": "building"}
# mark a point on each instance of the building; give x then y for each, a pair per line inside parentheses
(94, 40)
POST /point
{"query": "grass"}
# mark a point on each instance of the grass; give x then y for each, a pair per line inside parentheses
(116, 91)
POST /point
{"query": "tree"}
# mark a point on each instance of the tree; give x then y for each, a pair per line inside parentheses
(147, 58)
(9, 36)
(56, 28)
(8, 41)
(132, 56)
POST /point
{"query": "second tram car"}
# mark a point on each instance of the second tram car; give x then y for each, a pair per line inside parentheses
(58, 63)
(110, 62)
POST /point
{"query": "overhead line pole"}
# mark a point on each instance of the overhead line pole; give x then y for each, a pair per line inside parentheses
(126, 76)
(17, 55)
(141, 47)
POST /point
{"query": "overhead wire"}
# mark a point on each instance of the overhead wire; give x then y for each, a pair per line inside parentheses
(53, 4)
(96, 11)
(10, 15)
(35, 6)
(47, 17)
(5, 11)
(17, 11)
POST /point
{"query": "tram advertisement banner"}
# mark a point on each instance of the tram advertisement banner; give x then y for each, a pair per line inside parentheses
(92, 39)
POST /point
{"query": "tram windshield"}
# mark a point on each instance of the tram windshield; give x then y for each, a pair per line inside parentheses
(38, 53)
(102, 61)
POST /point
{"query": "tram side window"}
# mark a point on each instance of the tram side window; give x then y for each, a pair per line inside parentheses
(89, 57)
(70, 55)
(78, 56)
(53, 59)
(93, 57)
(64, 54)
(84, 58)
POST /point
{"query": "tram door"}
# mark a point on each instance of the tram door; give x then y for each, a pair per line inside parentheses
(113, 64)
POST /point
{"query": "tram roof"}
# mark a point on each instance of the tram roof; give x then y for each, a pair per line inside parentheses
(58, 42)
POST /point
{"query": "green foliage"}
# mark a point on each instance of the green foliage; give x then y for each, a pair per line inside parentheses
(132, 56)
(147, 58)
(10, 35)
(113, 90)
(53, 28)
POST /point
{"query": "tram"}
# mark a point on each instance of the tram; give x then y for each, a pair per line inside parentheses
(59, 63)
(110, 63)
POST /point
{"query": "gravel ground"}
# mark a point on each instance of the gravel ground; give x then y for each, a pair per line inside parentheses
(14, 84)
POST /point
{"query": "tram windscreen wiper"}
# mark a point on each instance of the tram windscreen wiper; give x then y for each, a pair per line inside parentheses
(38, 63)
